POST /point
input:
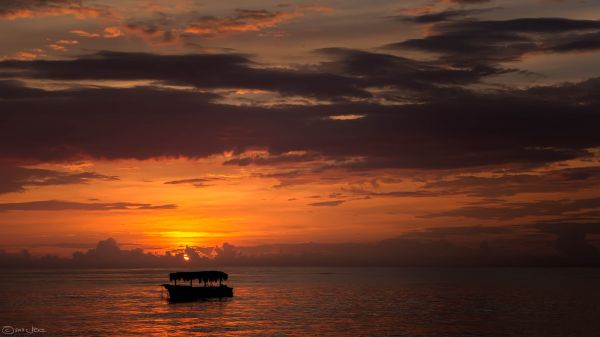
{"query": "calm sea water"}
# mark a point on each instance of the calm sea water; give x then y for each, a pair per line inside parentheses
(308, 302)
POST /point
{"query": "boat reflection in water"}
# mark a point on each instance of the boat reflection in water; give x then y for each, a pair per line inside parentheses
(210, 289)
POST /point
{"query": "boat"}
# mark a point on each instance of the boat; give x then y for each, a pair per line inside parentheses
(208, 287)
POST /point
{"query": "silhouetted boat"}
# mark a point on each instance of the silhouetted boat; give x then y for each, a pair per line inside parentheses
(210, 289)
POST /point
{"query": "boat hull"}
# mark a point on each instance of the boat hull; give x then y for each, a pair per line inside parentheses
(181, 293)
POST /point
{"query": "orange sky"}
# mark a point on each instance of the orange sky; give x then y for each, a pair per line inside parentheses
(230, 204)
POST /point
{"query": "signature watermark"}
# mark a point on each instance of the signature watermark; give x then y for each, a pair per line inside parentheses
(11, 330)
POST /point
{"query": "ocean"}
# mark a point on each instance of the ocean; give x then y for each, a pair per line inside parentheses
(307, 302)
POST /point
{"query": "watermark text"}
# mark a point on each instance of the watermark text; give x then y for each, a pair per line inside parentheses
(11, 330)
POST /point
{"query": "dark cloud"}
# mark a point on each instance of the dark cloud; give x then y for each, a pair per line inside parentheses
(327, 203)
(285, 158)
(17, 179)
(72, 178)
(108, 254)
(477, 42)
(395, 194)
(512, 210)
(349, 73)
(446, 129)
(59, 205)
(529, 25)
(444, 15)
(578, 42)
(196, 182)
(563, 180)
(553, 227)
(416, 79)
(188, 181)
(209, 71)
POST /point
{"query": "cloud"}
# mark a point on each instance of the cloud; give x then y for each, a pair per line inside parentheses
(562, 180)
(188, 181)
(414, 80)
(17, 179)
(108, 254)
(512, 210)
(199, 70)
(12, 89)
(15, 9)
(62, 45)
(59, 205)
(572, 239)
(559, 227)
(25, 55)
(445, 15)
(263, 160)
(107, 33)
(163, 27)
(196, 182)
(434, 250)
(469, 42)
(466, 2)
(449, 127)
(395, 194)
(327, 203)
(463, 231)
(241, 20)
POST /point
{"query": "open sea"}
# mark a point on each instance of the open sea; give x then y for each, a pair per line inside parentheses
(307, 302)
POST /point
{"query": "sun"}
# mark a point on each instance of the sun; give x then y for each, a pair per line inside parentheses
(186, 257)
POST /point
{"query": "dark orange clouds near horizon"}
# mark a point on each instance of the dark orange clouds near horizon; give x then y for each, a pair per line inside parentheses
(449, 128)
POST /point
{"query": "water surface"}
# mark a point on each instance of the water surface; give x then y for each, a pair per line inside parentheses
(309, 302)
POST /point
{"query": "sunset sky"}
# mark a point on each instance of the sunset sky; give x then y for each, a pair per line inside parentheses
(171, 123)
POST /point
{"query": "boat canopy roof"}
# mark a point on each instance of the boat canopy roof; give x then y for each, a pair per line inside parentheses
(204, 276)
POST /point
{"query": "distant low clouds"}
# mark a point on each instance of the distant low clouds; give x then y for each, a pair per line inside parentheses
(60, 205)
(431, 247)
(572, 238)
(18, 179)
